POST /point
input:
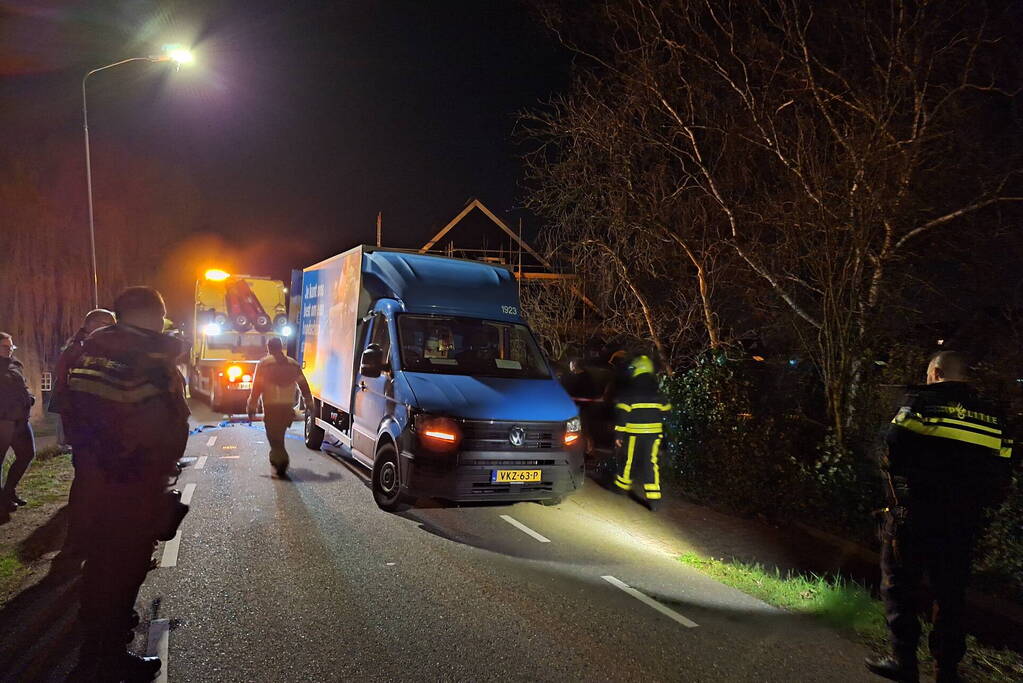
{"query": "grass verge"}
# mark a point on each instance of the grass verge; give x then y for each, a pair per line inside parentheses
(45, 486)
(847, 606)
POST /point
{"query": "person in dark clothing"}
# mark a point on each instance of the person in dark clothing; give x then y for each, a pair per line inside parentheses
(69, 353)
(128, 426)
(75, 541)
(276, 380)
(949, 460)
(639, 424)
(15, 431)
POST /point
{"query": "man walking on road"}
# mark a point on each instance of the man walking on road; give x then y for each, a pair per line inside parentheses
(276, 380)
(128, 426)
(639, 423)
(15, 431)
(949, 458)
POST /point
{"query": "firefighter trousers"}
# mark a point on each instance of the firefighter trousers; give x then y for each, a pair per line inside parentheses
(277, 419)
(638, 463)
(938, 544)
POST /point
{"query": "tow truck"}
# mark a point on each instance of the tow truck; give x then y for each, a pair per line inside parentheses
(234, 316)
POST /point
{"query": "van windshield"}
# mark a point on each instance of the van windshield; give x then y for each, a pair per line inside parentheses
(453, 345)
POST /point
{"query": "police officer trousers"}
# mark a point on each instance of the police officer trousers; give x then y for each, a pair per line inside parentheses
(638, 461)
(122, 518)
(937, 542)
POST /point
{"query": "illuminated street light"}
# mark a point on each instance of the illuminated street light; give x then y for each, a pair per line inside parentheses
(176, 54)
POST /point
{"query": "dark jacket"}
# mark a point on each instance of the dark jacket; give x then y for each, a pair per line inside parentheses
(128, 415)
(639, 408)
(15, 399)
(948, 446)
(69, 355)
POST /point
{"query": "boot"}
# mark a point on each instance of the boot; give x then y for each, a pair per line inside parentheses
(903, 669)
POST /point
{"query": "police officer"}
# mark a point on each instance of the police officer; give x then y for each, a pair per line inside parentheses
(639, 423)
(276, 380)
(948, 459)
(128, 425)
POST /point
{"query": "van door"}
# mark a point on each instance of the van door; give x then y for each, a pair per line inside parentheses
(371, 395)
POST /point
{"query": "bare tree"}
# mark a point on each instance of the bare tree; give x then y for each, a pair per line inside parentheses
(829, 141)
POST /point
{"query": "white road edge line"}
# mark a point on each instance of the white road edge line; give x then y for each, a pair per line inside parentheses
(170, 549)
(210, 441)
(670, 613)
(202, 462)
(159, 632)
(525, 529)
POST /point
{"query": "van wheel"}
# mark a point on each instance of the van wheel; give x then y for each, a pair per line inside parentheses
(386, 483)
(313, 432)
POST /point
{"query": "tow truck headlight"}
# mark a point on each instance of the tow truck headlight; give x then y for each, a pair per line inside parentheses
(436, 433)
(212, 330)
(573, 430)
(286, 331)
(234, 372)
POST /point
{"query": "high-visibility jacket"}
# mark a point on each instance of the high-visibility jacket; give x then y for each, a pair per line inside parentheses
(276, 379)
(639, 408)
(946, 444)
(128, 414)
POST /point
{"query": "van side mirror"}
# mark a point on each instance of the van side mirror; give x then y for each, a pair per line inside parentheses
(372, 361)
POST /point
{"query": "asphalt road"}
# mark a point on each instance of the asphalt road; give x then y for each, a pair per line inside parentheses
(307, 580)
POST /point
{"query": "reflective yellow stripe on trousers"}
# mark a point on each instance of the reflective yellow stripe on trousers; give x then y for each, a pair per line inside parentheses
(624, 480)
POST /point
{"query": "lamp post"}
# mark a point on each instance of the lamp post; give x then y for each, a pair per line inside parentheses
(177, 55)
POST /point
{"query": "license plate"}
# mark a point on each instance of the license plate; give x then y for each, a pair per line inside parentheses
(513, 476)
(240, 386)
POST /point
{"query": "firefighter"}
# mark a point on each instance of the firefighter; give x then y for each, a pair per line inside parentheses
(949, 459)
(639, 423)
(276, 380)
(128, 426)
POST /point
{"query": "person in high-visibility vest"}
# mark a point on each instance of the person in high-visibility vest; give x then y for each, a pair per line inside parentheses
(949, 462)
(276, 380)
(639, 424)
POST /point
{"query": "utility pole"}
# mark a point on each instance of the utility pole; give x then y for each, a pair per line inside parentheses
(380, 220)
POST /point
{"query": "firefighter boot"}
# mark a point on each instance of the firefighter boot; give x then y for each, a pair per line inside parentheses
(903, 669)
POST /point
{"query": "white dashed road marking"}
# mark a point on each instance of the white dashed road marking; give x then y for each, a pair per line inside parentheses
(210, 441)
(186, 495)
(159, 632)
(170, 549)
(525, 529)
(670, 613)
(202, 462)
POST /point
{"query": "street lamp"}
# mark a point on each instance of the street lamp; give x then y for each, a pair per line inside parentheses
(174, 54)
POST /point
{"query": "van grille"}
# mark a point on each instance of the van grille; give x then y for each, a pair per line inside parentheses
(487, 435)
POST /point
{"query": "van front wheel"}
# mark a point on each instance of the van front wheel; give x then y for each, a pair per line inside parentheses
(386, 484)
(313, 432)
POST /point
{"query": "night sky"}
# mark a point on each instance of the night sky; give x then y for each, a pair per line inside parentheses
(300, 120)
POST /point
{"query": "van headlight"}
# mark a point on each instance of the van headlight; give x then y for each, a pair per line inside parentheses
(437, 433)
(573, 430)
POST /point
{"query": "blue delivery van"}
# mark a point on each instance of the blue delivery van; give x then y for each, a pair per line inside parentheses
(422, 368)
